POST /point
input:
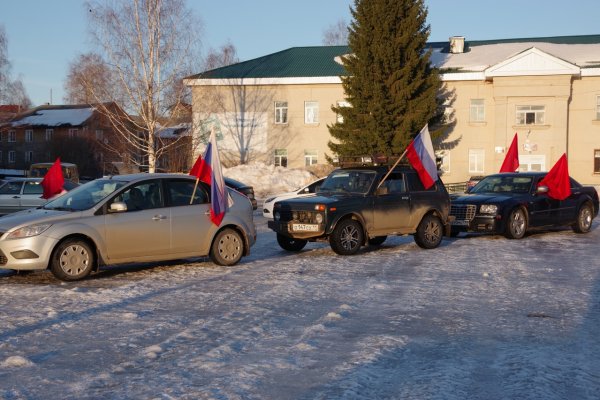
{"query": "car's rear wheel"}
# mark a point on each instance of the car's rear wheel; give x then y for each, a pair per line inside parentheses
(516, 225)
(290, 244)
(377, 240)
(347, 237)
(227, 248)
(72, 260)
(585, 214)
(429, 232)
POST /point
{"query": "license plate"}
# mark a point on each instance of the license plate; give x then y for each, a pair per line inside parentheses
(305, 227)
(459, 222)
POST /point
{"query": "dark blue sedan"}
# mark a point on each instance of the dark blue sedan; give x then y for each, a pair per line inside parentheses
(513, 203)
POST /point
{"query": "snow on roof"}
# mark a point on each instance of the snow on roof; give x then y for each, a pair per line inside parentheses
(55, 117)
(480, 57)
(175, 131)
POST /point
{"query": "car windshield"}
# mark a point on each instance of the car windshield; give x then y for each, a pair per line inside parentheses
(85, 196)
(348, 181)
(503, 184)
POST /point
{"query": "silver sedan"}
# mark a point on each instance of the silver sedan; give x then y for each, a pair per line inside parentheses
(123, 219)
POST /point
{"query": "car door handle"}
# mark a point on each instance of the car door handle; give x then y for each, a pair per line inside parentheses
(16, 197)
(159, 217)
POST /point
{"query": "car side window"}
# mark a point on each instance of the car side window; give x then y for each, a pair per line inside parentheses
(395, 184)
(143, 196)
(33, 188)
(11, 188)
(181, 191)
(415, 184)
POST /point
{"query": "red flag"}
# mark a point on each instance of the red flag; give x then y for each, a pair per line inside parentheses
(557, 180)
(201, 171)
(511, 161)
(53, 181)
(421, 157)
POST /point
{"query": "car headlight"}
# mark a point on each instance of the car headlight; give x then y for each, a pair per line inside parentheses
(28, 231)
(488, 209)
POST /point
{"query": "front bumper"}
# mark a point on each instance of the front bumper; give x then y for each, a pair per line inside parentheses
(480, 223)
(288, 229)
(31, 253)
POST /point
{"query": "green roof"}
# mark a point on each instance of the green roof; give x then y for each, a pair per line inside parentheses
(294, 62)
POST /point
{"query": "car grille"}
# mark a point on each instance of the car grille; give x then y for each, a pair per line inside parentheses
(465, 212)
(3, 259)
(303, 217)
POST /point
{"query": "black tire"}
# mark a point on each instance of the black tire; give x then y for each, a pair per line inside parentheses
(290, 244)
(72, 260)
(347, 237)
(227, 248)
(377, 240)
(516, 224)
(429, 232)
(585, 214)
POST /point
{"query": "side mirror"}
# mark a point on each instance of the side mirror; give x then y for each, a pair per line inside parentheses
(541, 189)
(117, 207)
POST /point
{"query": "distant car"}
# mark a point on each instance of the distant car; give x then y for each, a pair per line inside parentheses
(244, 189)
(474, 180)
(122, 219)
(309, 189)
(69, 170)
(513, 203)
(18, 194)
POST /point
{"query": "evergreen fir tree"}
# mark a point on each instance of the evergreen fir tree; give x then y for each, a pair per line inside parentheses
(391, 88)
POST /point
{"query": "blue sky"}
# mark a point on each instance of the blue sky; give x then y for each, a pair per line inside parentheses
(44, 36)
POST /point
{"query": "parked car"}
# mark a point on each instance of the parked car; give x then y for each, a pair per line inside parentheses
(512, 204)
(474, 180)
(244, 189)
(39, 170)
(304, 191)
(350, 210)
(122, 219)
(18, 194)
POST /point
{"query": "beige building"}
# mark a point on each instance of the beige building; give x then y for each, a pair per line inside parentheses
(276, 108)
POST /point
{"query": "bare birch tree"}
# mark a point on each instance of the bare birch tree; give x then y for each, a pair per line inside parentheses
(148, 45)
(336, 34)
(12, 91)
(88, 79)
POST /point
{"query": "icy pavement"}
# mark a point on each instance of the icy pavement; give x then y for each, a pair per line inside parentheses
(481, 317)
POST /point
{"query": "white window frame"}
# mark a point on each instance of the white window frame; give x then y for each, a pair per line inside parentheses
(311, 157)
(280, 157)
(444, 156)
(28, 156)
(29, 135)
(49, 134)
(311, 112)
(477, 110)
(532, 162)
(281, 112)
(338, 117)
(531, 115)
(476, 161)
(12, 157)
(12, 136)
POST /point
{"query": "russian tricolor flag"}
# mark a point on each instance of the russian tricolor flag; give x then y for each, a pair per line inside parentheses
(421, 157)
(208, 170)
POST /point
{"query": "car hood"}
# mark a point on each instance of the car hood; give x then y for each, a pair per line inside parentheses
(481, 198)
(34, 216)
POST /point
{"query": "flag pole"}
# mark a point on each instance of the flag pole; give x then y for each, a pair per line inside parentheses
(392, 168)
(194, 192)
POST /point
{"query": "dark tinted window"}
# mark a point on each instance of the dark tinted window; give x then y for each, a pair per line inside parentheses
(180, 192)
(11, 188)
(415, 184)
(142, 196)
(33, 188)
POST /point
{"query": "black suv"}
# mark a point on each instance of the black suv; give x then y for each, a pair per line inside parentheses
(352, 209)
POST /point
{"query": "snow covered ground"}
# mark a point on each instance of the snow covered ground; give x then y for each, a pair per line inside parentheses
(481, 317)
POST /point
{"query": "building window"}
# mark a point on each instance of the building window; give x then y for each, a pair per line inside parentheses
(598, 108)
(311, 112)
(443, 160)
(28, 135)
(310, 157)
(99, 135)
(477, 110)
(49, 133)
(476, 160)
(339, 118)
(12, 136)
(531, 115)
(28, 156)
(12, 157)
(281, 112)
(281, 157)
(73, 133)
(596, 161)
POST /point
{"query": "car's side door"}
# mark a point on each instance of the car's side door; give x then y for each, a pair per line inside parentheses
(392, 206)
(32, 195)
(143, 231)
(189, 206)
(543, 210)
(10, 197)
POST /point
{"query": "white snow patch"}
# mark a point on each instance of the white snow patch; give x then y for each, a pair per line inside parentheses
(152, 351)
(16, 362)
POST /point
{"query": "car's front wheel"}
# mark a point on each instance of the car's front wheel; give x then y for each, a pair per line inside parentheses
(72, 260)
(227, 248)
(516, 225)
(429, 232)
(290, 244)
(583, 224)
(347, 237)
